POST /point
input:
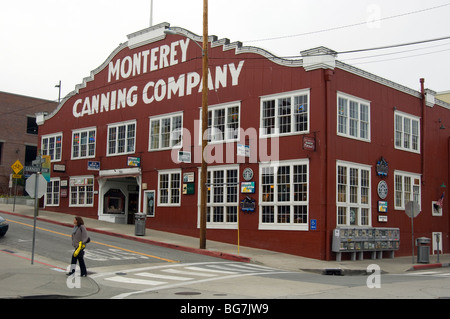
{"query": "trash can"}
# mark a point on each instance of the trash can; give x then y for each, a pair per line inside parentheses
(423, 250)
(139, 224)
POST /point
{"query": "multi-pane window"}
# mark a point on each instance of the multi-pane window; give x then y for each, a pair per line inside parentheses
(165, 131)
(353, 194)
(407, 188)
(83, 143)
(285, 113)
(222, 196)
(353, 117)
(52, 145)
(82, 191)
(284, 195)
(169, 188)
(53, 190)
(121, 138)
(407, 132)
(223, 122)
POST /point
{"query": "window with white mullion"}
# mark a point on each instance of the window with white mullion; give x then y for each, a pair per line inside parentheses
(353, 194)
(286, 113)
(353, 117)
(406, 132)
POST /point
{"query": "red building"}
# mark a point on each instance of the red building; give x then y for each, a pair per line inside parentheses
(292, 154)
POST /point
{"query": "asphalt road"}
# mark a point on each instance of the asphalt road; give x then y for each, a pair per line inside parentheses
(125, 269)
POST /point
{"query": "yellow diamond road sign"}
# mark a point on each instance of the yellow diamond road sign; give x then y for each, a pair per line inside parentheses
(17, 167)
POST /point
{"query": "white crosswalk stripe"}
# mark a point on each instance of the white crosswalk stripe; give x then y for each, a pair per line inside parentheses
(429, 274)
(158, 276)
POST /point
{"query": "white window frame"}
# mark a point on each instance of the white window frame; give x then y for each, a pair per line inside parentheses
(52, 152)
(346, 117)
(174, 135)
(116, 140)
(214, 134)
(224, 191)
(409, 185)
(53, 196)
(86, 131)
(171, 191)
(81, 182)
(351, 201)
(276, 203)
(276, 129)
(401, 136)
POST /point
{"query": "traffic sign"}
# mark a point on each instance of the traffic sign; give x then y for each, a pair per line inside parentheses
(17, 167)
(36, 169)
(412, 209)
(30, 186)
(16, 176)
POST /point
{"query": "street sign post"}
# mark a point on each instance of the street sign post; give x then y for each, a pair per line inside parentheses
(16, 167)
(412, 209)
(41, 165)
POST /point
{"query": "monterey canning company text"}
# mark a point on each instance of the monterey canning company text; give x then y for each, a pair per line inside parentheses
(148, 61)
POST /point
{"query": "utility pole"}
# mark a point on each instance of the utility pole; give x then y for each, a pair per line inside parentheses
(203, 186)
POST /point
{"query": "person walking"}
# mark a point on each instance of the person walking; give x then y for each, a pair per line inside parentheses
(79, 239)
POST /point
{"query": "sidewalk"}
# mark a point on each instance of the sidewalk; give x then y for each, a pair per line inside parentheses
(15, 273)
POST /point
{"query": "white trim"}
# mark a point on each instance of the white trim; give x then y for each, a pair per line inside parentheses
(169, 172)
(224, 106)
(170, 116)
(360, 101)
(347, 204)
(116, 125)
(404, 115)
(276, 128)
(220, 225)
(291, 203)
(47, 136)
(81, 130)
(413, 176)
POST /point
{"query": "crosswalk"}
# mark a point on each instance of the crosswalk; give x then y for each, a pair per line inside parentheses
(430, 274)
(169, 276)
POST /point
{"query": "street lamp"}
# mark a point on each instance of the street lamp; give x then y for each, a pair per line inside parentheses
(204, 166)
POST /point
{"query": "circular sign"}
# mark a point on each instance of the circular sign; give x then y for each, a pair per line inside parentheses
(382, 189)
(247, 174)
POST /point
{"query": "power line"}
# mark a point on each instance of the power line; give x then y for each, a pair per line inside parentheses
(348, 25)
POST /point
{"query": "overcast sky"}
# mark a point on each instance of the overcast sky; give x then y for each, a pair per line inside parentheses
(45, 41)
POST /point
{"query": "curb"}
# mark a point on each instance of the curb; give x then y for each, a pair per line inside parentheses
(429, 266)
(199, 251)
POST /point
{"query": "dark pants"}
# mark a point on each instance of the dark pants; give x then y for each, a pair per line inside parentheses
(80, 261)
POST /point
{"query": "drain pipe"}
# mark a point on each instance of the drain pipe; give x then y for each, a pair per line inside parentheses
(422, 128)
(328, 75)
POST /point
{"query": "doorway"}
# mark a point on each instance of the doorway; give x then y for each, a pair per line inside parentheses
(133, 199)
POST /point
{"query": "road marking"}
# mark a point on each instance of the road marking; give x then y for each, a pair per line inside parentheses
(211, 270)
(192, 273)
(198, 273)
(128, 280)
(159, 276)
(98, 243)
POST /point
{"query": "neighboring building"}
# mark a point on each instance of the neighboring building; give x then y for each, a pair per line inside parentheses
(303, 163)
(18, 133)
(444, 96)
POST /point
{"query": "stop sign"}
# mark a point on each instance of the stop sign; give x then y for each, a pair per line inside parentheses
(31, 184)
(412, 209)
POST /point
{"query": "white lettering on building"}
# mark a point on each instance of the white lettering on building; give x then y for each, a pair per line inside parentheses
(184, 85)
(157, 58)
